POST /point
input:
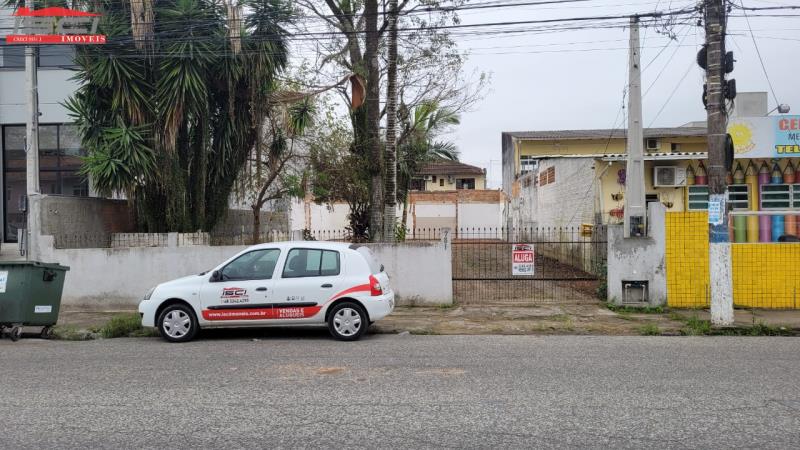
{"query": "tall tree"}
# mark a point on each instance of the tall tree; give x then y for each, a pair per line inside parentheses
(429, 67)
(169, 109)
(419, 144)
(390, 193)
(373, 105)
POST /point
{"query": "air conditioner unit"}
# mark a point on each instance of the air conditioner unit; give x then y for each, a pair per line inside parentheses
(451, 179)
(428, 178)
(669, 176)
(653, 144)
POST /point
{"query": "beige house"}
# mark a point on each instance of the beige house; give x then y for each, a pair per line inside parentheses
(446, 175)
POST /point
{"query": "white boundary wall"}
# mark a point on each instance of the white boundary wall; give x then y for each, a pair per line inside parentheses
(117, 278)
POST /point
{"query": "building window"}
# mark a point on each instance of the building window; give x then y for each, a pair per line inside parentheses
(441, 181)
(698, 198)
(776, 196)
(796, 196)
(59, 162)
(739, 196)
(49, 56)
(12, 56)
(465, 183)
(527, 164)
(547, 176)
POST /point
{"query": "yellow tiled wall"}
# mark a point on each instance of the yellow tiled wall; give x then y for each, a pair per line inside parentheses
(763, 274)
(687, 259)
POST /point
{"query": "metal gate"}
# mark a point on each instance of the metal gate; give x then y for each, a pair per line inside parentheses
(569, 265)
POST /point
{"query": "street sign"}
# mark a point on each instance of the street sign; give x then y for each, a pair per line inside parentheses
(522, 260)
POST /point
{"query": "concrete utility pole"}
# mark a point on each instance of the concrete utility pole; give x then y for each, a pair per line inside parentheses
(32, 145)
(635, 207)
(719, 243)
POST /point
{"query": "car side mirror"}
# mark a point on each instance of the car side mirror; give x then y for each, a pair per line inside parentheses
(381, 267)
(215, 276)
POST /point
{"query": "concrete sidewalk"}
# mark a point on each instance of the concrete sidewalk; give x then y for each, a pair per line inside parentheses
(592, 319)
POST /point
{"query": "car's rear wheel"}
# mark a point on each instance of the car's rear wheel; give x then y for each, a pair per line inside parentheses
(347, 321)
(177, 323)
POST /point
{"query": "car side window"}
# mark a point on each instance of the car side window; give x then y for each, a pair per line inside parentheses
(255, 265)
(304, 262)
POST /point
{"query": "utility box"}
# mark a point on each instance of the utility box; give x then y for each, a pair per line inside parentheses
(30, 295)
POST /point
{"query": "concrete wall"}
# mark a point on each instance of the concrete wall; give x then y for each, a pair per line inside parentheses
(85, 220)
(111, 278)
(639, 259)
(421, 273)
(567, 202)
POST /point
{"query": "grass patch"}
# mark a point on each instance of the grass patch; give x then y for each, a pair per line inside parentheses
(124, 325)
(649, 329)
(635, 309)
(696, 326)
(450, 306)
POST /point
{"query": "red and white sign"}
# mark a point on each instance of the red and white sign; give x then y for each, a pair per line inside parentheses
(55, 25)
(522, 260)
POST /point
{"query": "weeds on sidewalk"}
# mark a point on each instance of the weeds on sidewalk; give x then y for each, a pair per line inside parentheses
(694, 326)
(649, 329)
(125, 325)
(635, 309)
(121, 325)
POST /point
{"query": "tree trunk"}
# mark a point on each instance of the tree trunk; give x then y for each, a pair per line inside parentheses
(373, 105)
(256, 224)
(390, 194)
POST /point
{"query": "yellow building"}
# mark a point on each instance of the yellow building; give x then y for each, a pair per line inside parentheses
(592, 165)
(565, 178)
(446, 175)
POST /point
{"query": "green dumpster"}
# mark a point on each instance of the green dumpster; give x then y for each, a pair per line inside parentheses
(30, 295)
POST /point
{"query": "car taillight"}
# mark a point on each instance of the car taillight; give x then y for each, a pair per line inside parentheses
(375, 286)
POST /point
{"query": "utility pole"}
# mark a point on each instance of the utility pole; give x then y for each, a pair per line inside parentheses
(719, 242)
(635, 207)
(31, 147)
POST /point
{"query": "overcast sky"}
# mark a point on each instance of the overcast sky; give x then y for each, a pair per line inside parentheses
(575, 79)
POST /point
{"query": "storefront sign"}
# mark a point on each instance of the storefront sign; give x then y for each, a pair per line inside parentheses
(522, 260)
(765, 137)
(55, 25)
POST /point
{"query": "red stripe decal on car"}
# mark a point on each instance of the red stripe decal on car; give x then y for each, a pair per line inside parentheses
(261, 313)
(359, 288)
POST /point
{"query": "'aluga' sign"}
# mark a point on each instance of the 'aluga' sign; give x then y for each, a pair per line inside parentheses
(55, 25)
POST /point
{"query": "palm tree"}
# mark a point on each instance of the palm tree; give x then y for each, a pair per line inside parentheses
(418, 144)
(169, 109)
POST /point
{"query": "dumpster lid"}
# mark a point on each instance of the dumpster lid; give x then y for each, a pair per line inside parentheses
(55, 266)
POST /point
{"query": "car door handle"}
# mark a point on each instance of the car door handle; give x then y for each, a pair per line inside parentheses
(261, 289)
(327, 285)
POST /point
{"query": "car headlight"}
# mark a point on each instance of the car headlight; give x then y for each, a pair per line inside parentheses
(149, 293)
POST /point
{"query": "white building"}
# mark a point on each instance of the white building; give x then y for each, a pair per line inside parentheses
(59, 144)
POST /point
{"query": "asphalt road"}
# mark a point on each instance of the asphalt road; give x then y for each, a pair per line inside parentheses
(402, 391)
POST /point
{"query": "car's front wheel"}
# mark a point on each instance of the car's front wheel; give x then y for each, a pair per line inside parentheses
(347, 321)
(177, 323)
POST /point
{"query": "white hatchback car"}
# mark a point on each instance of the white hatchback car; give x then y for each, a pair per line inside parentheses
(282, 283)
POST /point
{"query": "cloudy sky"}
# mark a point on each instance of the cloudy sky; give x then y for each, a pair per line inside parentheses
(575, 79)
